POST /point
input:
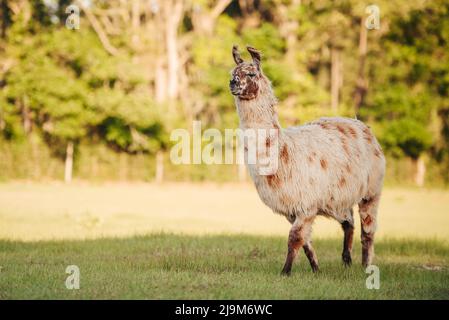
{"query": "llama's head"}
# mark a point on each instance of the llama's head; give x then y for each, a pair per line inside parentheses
(247, 77)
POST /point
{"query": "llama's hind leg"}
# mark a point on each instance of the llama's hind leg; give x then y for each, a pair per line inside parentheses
(368, 218)
(310, 254)
(348, 229)
(297, 238)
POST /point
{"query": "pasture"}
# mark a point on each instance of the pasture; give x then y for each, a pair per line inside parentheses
(206, 241)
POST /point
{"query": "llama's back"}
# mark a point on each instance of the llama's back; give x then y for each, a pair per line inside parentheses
(359, 147)
(333, 163)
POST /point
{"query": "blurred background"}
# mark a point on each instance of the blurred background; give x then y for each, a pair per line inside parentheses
(97, 103)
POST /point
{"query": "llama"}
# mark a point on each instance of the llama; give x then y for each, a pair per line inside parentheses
(325, 167)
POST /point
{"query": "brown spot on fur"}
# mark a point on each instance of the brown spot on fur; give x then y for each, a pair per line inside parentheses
(284, 153)
(341, 129)
(325, 125)
(366, 203)
(377, 153)
(250, 92)
(348, 168)
(367, 135)
(367, 221)
(268, 142)
(251, 88)
(323, 163)
(273, 181)
(342, 181)
(295, 241)
(352, 132)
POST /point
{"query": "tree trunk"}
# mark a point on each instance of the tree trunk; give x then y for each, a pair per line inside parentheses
(68, 163)
(2, 123)
(98, 29)
(204, 19)
(21, 8)
(335, 78)
(159, 177)
(160, 74)
(5, 20)
(420, 171)
(289, 28)
(173, 12)
(26, 119)
(246, 6)
(160, 81)
(361, 85)
(135, 19)
(34, 143)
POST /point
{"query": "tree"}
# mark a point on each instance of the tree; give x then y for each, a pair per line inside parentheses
(409, 94)
(68, 91)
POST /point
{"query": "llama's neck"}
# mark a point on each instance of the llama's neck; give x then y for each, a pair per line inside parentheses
(259, 112)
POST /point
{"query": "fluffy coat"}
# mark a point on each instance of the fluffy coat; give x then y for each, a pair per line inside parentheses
(325, 167)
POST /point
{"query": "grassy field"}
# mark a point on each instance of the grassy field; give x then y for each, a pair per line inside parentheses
(216, 267)
(206, 241)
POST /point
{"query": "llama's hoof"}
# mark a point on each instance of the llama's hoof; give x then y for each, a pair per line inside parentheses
(285, 273)
(315, 269)
(347, 261)
(365, 264)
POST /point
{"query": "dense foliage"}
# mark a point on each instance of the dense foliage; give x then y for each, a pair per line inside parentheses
(136, 69)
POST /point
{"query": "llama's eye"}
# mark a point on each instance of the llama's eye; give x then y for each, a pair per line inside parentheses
(252, 75)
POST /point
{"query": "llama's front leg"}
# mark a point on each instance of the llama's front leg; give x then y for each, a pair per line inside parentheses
(299, 234)
(368, 217)
(348, 229)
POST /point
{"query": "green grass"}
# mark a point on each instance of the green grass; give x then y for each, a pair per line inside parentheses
(166, 266)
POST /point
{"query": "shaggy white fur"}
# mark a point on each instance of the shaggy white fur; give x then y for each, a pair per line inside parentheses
(325, 167)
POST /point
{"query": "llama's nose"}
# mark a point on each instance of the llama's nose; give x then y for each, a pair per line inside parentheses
(232, 82)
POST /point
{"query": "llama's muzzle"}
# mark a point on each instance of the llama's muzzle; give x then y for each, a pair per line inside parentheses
(233, 86)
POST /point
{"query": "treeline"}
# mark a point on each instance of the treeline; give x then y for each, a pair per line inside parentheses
(99, 102)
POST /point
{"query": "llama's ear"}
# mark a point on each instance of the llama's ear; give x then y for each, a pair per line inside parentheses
(236, 55)
(255, 54)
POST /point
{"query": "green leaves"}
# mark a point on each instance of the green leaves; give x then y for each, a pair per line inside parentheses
(414, 85)
(72, 88)
(65, 84)
(406, 137)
